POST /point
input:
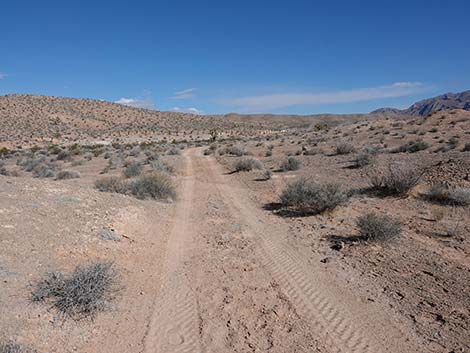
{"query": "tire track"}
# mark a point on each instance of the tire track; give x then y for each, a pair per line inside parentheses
(330, 311)
(174, 323)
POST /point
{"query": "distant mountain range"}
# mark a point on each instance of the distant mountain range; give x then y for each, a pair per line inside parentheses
(431, 105)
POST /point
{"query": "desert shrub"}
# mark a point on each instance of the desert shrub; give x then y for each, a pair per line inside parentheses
(135, 151)
(133, 169)
(173, 151)
(397, 179)
(161, 166)
(153, 185)
(412, 147)
(3, 169)
(307, 196)
(374, 227)
(363, 158)
(44, 170)
(444, 194)
(344, 147)
(267, 174)
(453, 143)
(88, 156)
(269, 152)
(466, 147)
(235, 151)
(107, 155)
(290, 164)
(112, 184)
(83, 293)
(247, 164)
(28, 164)
(11, 347)
(208, 152)
(67, 174)
(64, 155)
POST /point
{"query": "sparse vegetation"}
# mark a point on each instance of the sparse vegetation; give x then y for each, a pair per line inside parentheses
(290, 164)
(375, 227)
(133, 169)
(247, 164)
(67, 174)
(444, 194)
(397, 179)
(11, 347)
(83, 293)
(153, 185)
(307, 196)
(344, 147)
(412, 147)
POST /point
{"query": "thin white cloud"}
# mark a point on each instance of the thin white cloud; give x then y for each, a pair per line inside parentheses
(3, 75)
(137, 103)
(283, 100)
(184, 94)
(191, 110)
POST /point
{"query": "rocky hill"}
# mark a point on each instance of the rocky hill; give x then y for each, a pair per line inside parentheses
(429, 106)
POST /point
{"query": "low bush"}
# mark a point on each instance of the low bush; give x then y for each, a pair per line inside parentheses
(363, 158)
(267, 174)
(374, 227)
(344, 147)
(466, 147)
(153, 185)
(112, 184)
(247, 164)
(444, 194)
(86, 291)
(290, 164)
(412, 147)
(162, 166)
(310, 197)
(397, 179)
(67, 174)
(133, 169)
(44, 170)
(11, 347)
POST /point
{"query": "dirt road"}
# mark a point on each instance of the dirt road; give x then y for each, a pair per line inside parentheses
(231, 282)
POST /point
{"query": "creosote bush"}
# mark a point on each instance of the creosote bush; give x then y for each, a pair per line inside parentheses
(374, 227)
(86, 291)
(290, 164)
(444, 194)
(310, 197)
(247, 164)
(397, 179)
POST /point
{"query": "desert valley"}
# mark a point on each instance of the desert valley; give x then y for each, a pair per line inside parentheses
(134, 230)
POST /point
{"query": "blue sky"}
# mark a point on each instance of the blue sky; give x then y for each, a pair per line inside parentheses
(291, 56)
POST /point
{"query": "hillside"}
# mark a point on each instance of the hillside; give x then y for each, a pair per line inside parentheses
(31, 119)
(429, 106)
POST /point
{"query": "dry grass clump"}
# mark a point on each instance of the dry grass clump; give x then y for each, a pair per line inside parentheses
(11, 347)
(310, 197)
(86, 291)
(375, 227)
(233, 150)
(344, 147)
(162, 166)
(112, 184)
(397, 179)
(444, 194)
(290, 164)
(247, 164)
(67, 174)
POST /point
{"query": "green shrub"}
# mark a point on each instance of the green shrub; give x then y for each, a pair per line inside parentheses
(307, 196)
(374, 227)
